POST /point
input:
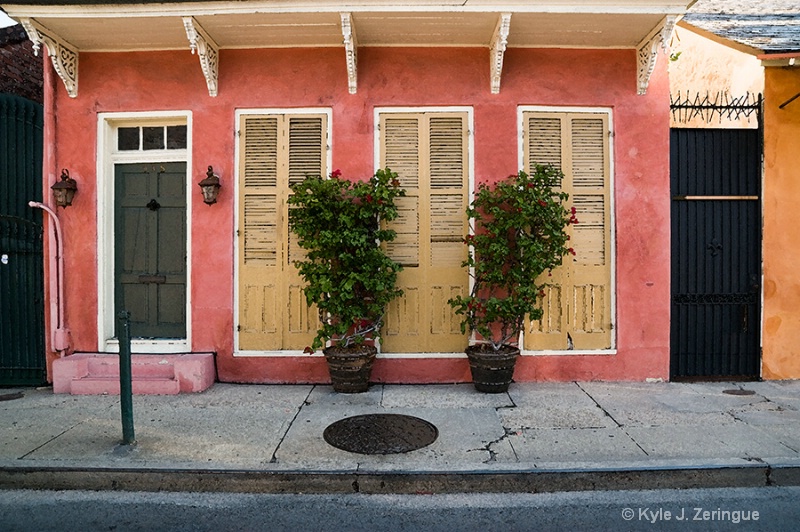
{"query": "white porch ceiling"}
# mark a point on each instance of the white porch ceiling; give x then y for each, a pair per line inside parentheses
(147, 25)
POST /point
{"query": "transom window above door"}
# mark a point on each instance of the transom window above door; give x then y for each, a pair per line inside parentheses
(150, 138)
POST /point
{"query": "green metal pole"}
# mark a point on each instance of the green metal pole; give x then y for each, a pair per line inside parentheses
(125, 385)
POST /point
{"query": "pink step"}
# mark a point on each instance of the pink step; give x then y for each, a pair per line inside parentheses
(110, 386)
(98, 373)
(141, 366)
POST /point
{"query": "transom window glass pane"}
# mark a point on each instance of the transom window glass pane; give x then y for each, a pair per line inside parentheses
(176, 137)
(153, 138)
(128, 138)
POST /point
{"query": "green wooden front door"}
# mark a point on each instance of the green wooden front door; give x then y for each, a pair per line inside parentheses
(150, 248)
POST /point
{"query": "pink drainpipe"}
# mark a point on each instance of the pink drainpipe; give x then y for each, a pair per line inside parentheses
(61, 333)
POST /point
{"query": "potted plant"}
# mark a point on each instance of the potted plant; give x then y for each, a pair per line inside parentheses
(519, 232)
(348, 275)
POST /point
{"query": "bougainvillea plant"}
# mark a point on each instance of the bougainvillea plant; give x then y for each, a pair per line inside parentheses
(519, 231)
(348, 275)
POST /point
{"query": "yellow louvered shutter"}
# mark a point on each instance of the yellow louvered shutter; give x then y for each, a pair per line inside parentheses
(578, 299)
(429, 153)
(277, 150)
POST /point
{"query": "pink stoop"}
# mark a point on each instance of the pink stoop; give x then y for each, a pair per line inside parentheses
(98, 374)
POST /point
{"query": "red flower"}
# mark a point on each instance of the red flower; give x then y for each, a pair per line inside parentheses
(336, 174)
(543, 203)
(369, 198)
(395, 183)
(572, 251)
(308, 350)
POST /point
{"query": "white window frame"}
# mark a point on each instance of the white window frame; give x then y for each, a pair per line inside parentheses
(521, 111)
(237, 180)
(469, 110)
(108, 157)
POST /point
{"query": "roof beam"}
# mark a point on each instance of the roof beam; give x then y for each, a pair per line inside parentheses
(207, 50)
(63, 55)
(351, 51)
(647, 51)
(498, 49)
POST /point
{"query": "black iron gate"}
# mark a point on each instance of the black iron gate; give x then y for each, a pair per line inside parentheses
(22, 349)
(716, 253)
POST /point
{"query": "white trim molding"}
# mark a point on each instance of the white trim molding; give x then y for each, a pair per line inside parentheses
(498, 49)
(351, 51)
(647, 51)
(207, 51)
(63, 55)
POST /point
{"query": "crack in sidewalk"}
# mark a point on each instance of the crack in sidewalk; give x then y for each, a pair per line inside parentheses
(274, 458)
(607, 413)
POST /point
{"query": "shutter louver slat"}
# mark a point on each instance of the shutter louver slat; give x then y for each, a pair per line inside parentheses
(305, 148)
(261, 152)
(402, 150)
(544, 141)
(446, 153)
(447, 228)
(261, 231)
(588, 236)
(588, 157)
(405, 247)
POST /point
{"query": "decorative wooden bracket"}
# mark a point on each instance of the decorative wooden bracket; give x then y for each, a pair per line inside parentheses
(647, 51)
(63, 55)
(207, 50)
(498, 49)
(351, 51)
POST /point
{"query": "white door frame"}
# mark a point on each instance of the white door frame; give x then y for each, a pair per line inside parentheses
(108, 157)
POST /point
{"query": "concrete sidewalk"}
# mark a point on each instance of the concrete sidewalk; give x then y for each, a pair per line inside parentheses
(537, 437)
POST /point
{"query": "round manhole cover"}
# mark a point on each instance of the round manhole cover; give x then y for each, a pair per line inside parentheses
(739, 392)
(380, 434)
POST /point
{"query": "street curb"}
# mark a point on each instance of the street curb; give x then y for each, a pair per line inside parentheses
(251, 481)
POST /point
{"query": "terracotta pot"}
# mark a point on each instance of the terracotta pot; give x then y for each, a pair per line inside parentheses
(350, 367)
(492, 371)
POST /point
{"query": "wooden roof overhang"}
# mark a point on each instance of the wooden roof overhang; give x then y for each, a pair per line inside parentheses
(69, 28)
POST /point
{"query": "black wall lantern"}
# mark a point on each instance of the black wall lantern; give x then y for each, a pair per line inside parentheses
(64, 190)
(210, 186)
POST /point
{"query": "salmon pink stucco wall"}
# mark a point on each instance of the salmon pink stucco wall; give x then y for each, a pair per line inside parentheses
(406, 77)
(781, 339)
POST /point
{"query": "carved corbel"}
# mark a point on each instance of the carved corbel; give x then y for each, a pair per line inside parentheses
(207, 50)
(351, 51)
(647, 51)
(498, 49)
(63, 55)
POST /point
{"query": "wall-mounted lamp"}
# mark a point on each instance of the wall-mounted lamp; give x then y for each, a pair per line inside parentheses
(210, 186)
(64, 190)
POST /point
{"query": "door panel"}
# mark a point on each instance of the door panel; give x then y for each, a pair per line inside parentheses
(150, 248)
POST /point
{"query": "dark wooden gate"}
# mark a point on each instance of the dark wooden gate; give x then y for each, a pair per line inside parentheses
(716, 253)
(22, 349)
